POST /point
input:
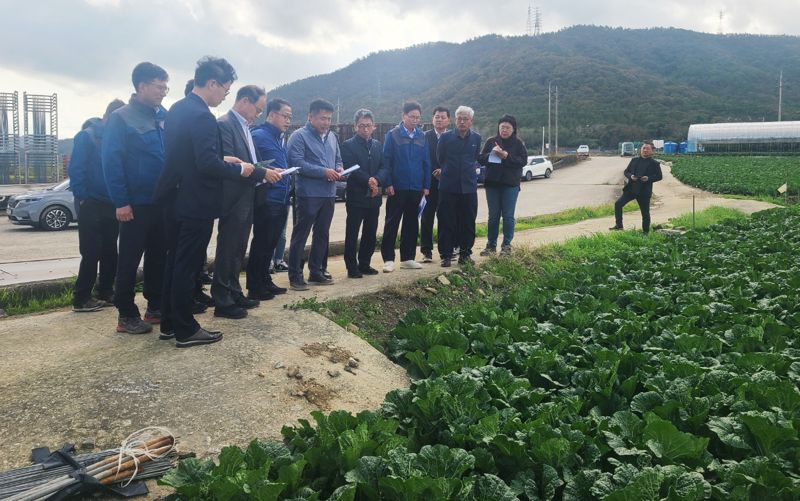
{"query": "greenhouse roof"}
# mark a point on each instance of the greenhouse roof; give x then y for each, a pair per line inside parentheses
(745, 131)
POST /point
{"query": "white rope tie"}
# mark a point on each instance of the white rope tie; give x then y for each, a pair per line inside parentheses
(135, 445)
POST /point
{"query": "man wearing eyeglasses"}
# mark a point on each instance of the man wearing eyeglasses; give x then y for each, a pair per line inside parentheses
(406, 156)
(191, 186)
(133, 159)
(271, 201)
(233, 229)
(363, 201)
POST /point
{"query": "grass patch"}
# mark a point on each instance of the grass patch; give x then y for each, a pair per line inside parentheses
(706, 218)
(22, 300)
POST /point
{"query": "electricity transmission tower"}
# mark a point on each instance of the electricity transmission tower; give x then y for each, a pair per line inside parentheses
(529, 22)
(720, 31)
(533, 24)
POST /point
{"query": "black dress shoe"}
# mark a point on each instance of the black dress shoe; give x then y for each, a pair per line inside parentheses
(200, 337)
(198, 308)
(369, 271)
(246, 303)
(320, 280)
(202, 297)
(355, 274)
(446, 263)
(233, 311)
(275, 290)
(327, 275)
(262, 295)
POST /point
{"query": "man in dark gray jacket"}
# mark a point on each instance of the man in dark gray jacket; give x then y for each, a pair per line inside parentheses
(364, 199)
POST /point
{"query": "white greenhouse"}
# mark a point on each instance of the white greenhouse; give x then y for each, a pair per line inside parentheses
(745, 138)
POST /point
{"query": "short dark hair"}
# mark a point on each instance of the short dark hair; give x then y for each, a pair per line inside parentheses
(318, 105)
(213, 68)
(363, 113)
(189, 87)
(251, 92)
(441, 109)
(114, 106)
(410, 106)
(147, 72)
(275, 104)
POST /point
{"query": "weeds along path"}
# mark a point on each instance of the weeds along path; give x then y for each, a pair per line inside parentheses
(70, 377)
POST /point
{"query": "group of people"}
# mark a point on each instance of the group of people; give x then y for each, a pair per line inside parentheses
(150, 183)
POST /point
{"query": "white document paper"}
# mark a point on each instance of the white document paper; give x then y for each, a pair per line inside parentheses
(494, 158)
(351, 169)
(422, 203)
(289, 171)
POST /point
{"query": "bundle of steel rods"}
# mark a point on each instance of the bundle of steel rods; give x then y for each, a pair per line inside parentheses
(148, 459)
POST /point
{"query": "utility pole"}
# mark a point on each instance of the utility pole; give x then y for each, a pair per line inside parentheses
(338, 106)
(780, 96)
(556, 119)
(543, 141)
(549, 84)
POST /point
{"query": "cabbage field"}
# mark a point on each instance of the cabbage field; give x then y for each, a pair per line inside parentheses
(752, 176)
(665, 369)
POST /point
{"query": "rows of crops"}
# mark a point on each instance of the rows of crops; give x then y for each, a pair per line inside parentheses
(669, 371)
(754, 176)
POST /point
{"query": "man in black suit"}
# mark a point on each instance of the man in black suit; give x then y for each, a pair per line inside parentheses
(233, 229)
(441, 120)
(640, 175)
(191, 187)
(363, 194)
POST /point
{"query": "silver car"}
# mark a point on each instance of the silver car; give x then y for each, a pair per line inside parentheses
(51, 209)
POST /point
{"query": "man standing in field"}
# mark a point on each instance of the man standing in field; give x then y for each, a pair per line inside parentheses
(640, 175)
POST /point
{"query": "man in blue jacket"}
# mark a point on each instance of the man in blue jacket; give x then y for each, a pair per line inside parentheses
(457, 153)
(406, 156)
(191, 186)
(315, 149)
(133, 157)
(363, 195)
(271, 201)
(98, 228)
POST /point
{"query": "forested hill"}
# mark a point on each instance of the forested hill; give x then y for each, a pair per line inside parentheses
(614, 84)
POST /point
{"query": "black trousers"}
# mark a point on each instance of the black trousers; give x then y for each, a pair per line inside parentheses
(644, 207)
(457, 213)
(426, 223)
(357, 256)
(233, 232)
(142, 235)
(269, 220)
(98, 230)
(404, 205)
(316, 213)
(187, 241)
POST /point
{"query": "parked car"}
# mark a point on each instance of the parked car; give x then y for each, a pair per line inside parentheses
(341, 190)
(538, 166)
(51, 209)
(583, 150)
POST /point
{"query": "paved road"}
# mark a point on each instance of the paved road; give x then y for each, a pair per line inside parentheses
(28, 255)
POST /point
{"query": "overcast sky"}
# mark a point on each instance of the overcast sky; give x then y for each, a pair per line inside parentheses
(84, 50)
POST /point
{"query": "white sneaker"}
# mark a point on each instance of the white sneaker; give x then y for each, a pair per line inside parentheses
(411, 265)
(388, 266)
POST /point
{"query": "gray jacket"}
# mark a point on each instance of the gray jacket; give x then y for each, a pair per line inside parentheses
(313, 154)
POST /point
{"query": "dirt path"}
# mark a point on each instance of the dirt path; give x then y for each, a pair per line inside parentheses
(70, 377)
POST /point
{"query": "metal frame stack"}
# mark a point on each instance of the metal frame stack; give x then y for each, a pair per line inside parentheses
(9, 137)
(40, 142)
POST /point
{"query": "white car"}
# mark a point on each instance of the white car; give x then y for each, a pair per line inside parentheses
(583, 150)
(538, 166)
